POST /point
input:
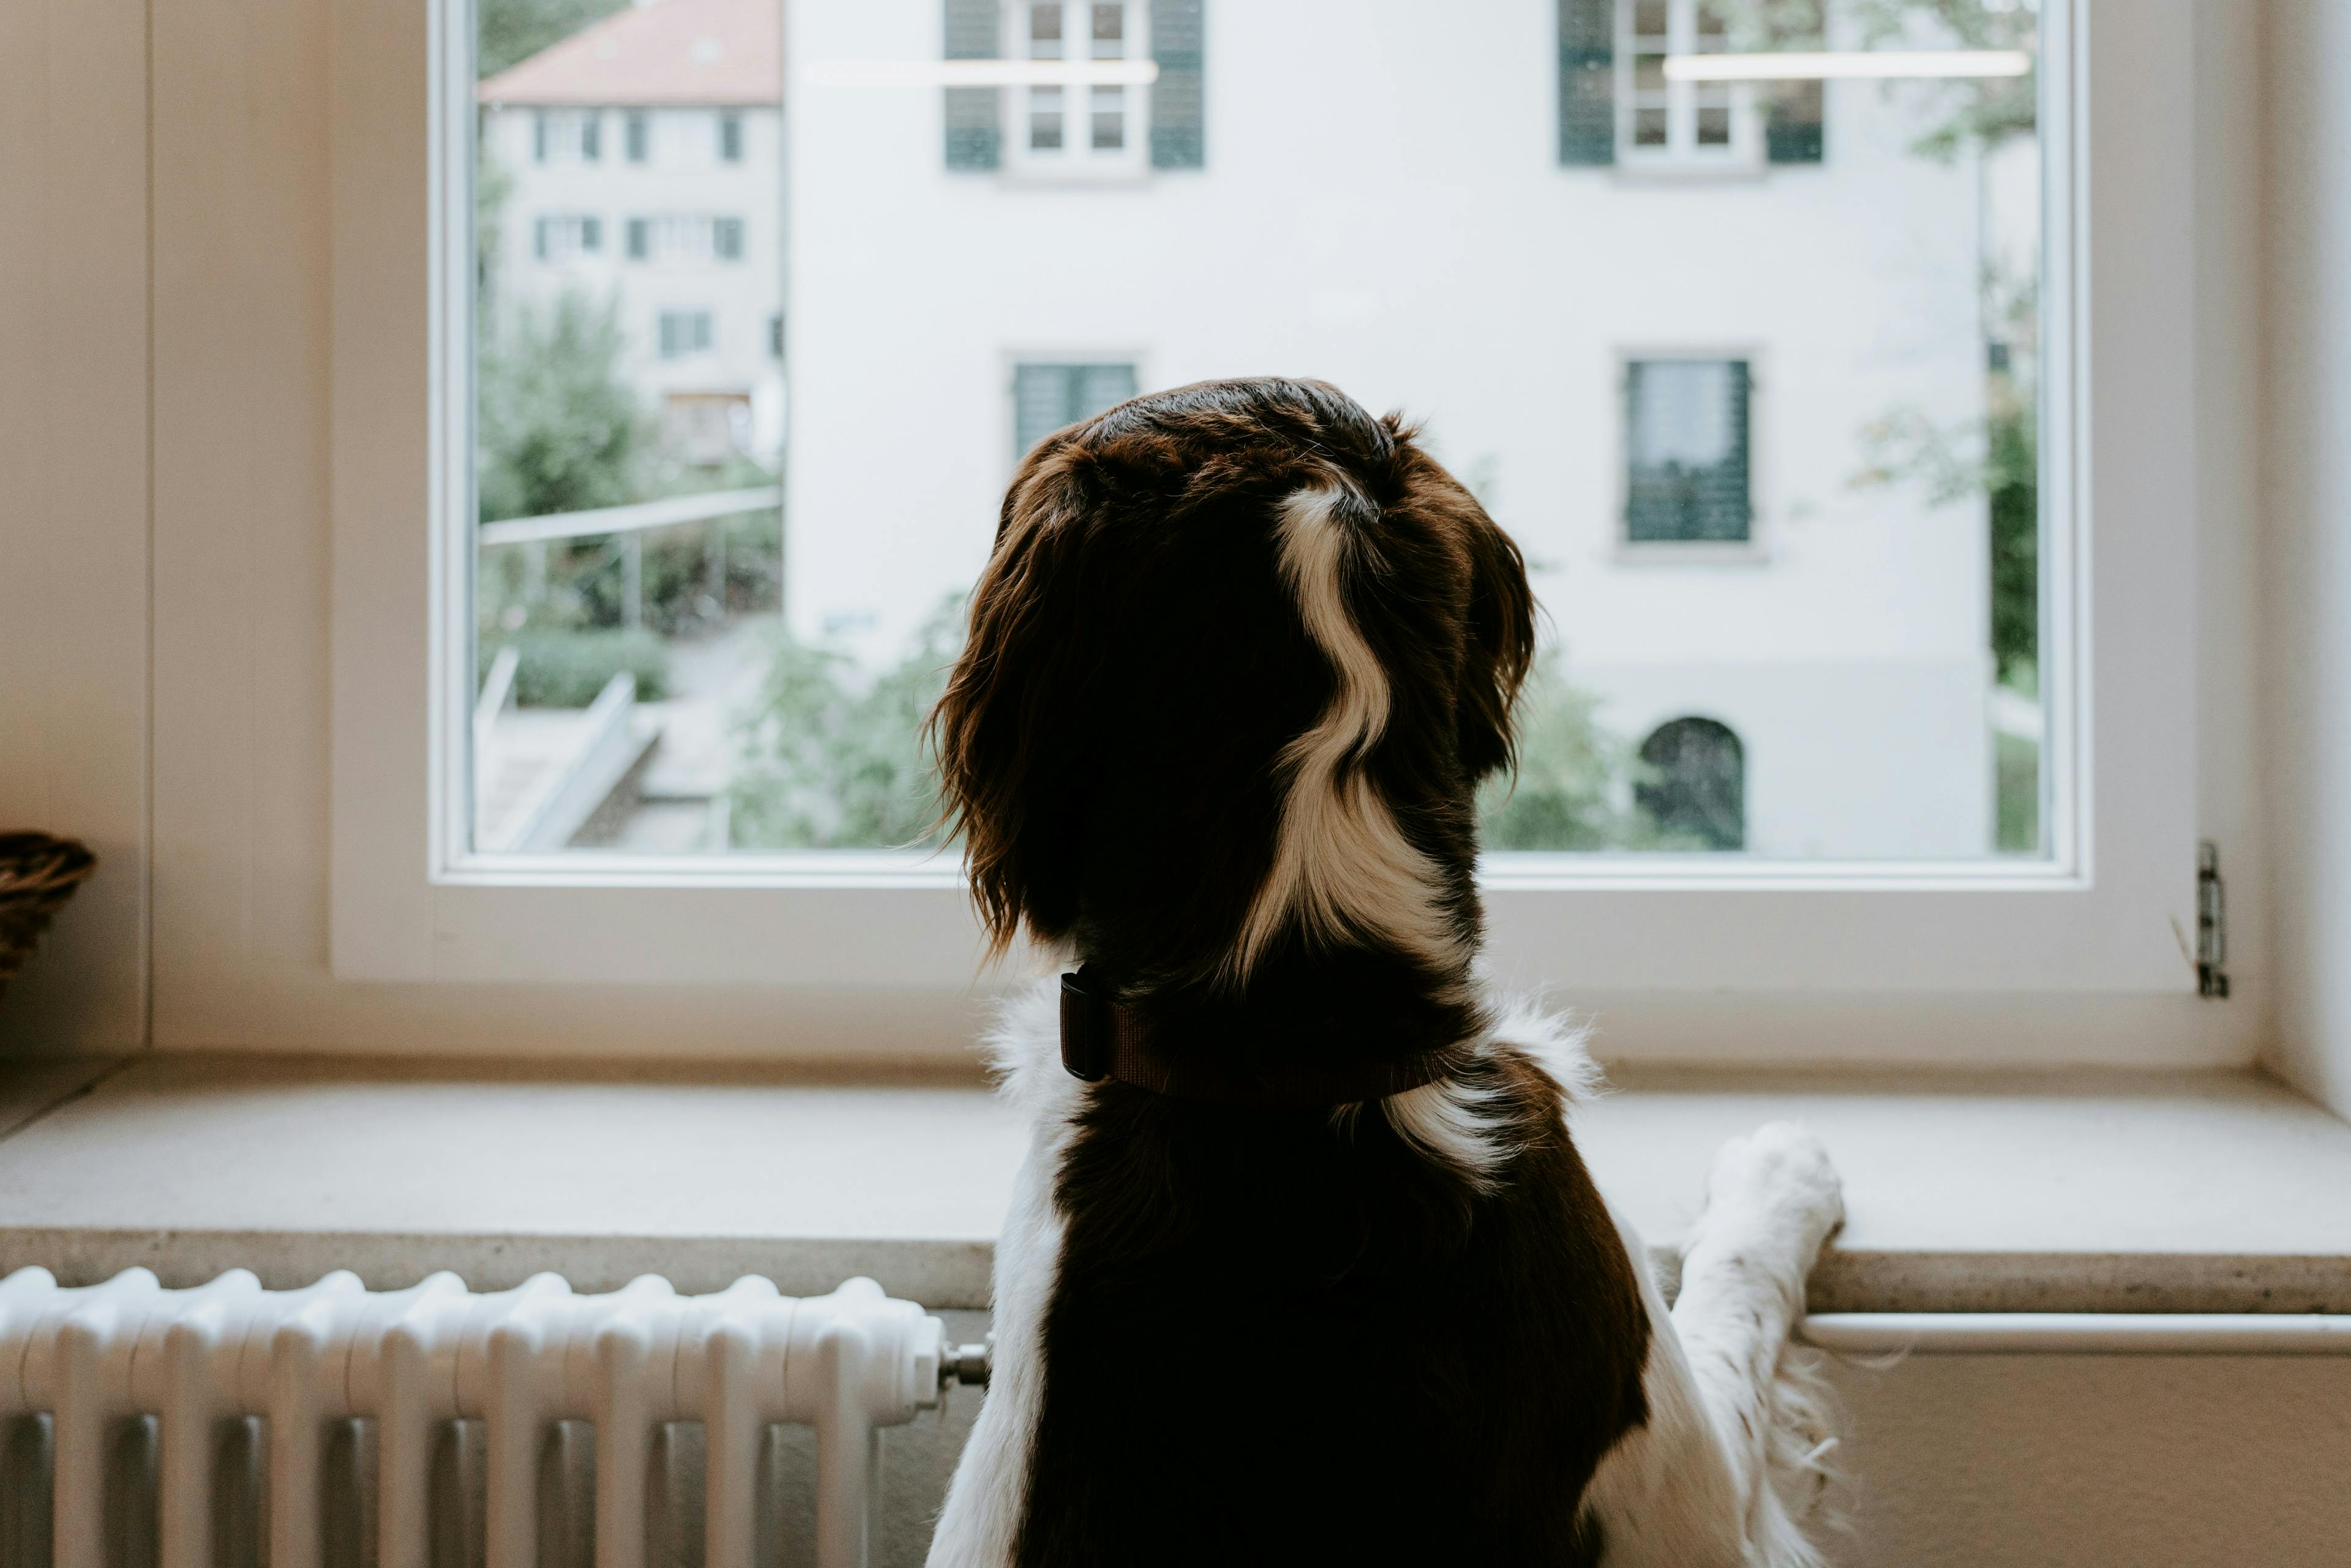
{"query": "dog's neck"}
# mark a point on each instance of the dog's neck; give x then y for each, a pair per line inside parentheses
(1328, 1002)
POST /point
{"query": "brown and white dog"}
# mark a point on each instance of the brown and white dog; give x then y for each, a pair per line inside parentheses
(1310, 1271)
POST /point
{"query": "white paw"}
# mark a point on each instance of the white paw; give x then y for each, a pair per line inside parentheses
(1781, 1175)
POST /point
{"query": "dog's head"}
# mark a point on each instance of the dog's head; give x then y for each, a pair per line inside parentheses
(1236, 664)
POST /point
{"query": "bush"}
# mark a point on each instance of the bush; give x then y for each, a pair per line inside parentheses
(827, 765)
(567, 669)
(1573, 784)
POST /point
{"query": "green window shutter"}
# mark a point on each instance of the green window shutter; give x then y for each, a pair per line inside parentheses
(975, 115)
(1793, 111)
(1587, 82)
(1178, 98)
(1047, 397)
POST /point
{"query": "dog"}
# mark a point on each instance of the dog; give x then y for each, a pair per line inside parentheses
(1303, 1266)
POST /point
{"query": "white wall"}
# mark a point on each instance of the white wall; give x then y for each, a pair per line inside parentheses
(2306, 537)
(73, 518)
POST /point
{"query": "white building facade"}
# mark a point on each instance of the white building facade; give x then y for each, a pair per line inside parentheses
(1649, 323)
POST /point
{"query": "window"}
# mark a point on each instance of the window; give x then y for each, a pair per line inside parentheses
(686, 237)
(1616, 104)
(592, 136)
(565, 236)
(1686, 452)
(1695, 786)
(1678, 120)
(1856, 665)
(730, 138)
(1047, 397)
(1079, 127)
(685, 332)
(1106, 116)
(637, 135)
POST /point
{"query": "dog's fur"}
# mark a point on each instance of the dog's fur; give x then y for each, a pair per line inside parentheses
(1236, 666)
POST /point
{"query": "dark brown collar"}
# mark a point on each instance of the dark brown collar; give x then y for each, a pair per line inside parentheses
(1105, 1039)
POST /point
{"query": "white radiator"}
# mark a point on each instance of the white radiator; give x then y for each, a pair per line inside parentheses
(407, 1363)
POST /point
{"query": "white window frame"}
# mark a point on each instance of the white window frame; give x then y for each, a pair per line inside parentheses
(1077, 161)
(1681, 101)
(1746, 959)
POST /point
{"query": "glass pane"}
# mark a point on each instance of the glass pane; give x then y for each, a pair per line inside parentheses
(1770, 445)
(1044, 118)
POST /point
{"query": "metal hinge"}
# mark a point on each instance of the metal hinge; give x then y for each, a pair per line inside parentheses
(2211, 923)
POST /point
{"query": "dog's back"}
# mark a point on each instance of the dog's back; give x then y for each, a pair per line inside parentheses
(1272, 1338)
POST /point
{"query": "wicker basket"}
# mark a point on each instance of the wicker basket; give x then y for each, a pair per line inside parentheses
(37, 874)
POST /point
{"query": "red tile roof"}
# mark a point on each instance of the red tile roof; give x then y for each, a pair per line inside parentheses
(668, 52)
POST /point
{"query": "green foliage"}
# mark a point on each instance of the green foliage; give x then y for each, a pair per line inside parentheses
(512, 31)
(1574, 785)
(831, 763)
(1997, 458)
(1983, 111)
(559, 429)
(561, 668)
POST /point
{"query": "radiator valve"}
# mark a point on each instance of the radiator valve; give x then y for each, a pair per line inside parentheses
(966, 1363)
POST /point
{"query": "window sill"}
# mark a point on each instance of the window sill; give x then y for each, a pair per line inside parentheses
(2170, 1193)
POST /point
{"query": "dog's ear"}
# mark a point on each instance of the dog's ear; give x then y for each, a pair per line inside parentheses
(1501, 645)
(1009, 730)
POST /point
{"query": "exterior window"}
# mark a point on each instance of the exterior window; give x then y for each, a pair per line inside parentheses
(1678, 121)
(730, 138)
(1697, 786)
(686, 236)
(637, 134)
(685, 332)
(592, 136)
(775, 337)
(561, 237)
(538, 136)
(1089, 127)
(1047, 397)
(1685, 450)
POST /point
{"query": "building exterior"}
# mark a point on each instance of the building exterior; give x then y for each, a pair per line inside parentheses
(641, 164)
(1649, 320)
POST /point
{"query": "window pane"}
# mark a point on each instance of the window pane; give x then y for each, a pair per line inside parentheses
(1770, 443)
(1044, 118)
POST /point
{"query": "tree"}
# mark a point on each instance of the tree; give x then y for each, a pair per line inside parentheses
(1986, 110)
(513, 30)
(1572, 787)
(560, 430)
(829, 763)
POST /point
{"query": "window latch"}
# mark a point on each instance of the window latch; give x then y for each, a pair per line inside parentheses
(2211, 923)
